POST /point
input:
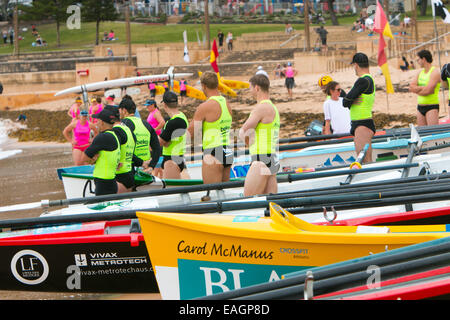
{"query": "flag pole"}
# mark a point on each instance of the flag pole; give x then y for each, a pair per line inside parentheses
(436, 35)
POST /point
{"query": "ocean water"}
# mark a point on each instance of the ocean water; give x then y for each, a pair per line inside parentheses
(5, 127)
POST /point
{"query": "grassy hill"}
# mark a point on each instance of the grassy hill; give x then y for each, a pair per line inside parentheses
(84, 37)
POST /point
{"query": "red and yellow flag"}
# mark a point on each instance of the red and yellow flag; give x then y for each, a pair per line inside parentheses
(213, 57)
(381, 26)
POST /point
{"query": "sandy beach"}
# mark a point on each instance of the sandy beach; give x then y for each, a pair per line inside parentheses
(30, 175)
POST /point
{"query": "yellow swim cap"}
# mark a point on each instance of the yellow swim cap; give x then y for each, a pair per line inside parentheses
(323, 81)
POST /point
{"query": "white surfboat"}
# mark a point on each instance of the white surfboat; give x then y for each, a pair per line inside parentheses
(421, 165)
(78, 181)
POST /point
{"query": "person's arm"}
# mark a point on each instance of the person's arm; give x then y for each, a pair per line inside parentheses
(413, 87)
(155, 147)
(196, 125)
(102, 141)
(326, 112)
(67, 130)
(160, 119)
(429, 88)
(361, 85)
(247, 132)
(445, 73)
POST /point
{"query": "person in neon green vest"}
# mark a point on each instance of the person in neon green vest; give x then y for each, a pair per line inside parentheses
(127, 141)
(445, 81)
(426, 85)
(211, 125)
(104, 151)
(360, 100)
(173, 138)
(260, 132)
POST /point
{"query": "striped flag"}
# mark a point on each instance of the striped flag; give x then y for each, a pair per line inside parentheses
(381, 26)
(213, 57)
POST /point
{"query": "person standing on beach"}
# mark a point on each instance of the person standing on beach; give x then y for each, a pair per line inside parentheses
(426, 85)
(337, 118)
(105, 153)
(78, 133)
(289, 73)
(147, 150)
(260, 132)
(152, 88)
(360, 100)
(95, 107)
(230, 41)
(74, 110)
(173, 138)
(220, 37)
(127, 142)
(155, 118)
(212, 124)
(445, 80)
(183, 84)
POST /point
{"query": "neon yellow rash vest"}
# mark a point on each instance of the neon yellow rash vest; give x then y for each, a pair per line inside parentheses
(422, 81)
(363, 109)
(107, 162)
(126, 150)
(177, 145)
(142, 148)
(266, 134)
(217, 133)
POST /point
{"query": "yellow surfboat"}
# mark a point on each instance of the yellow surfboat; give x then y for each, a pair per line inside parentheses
(195, 255)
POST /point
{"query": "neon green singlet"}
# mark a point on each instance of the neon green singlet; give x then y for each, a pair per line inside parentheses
(142, 148)
(177, 145)
(422, 81)
(266, 134)
(217, 133)
(126, 150)
(363, 110)
(107, 162)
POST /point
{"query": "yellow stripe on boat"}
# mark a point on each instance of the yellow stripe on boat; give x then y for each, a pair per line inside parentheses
(195, 255)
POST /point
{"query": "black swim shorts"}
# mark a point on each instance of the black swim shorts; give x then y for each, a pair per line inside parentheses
(127, 179)
(105, 186)
(183, 93)
(425, 108)
(289, 83)
(270, 160)
(223, 155)
(366, 123)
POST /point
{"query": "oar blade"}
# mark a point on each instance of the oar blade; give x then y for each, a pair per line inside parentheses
(21, 207)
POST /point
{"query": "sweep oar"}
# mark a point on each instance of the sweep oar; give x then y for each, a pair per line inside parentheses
(416, 251)
(187, 189)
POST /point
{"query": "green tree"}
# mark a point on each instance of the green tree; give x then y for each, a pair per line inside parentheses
(98, 11)
(55, 10)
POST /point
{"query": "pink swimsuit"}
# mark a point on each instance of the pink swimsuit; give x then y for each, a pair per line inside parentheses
(81, 134)
(99, 109)
(151, 86)
(72, 111)
(153, 122)
(289, 72)
(182, 86)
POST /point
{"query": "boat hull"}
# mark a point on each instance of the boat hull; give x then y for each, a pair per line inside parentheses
(75, 259)
(212, 253)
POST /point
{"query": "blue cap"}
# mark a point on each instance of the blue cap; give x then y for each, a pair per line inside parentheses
(149, 102)
(84, 112)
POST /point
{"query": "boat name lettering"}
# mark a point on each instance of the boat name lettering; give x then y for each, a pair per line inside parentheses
(220, 250)
(191, 249)
(234, 251)
(294, 251)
